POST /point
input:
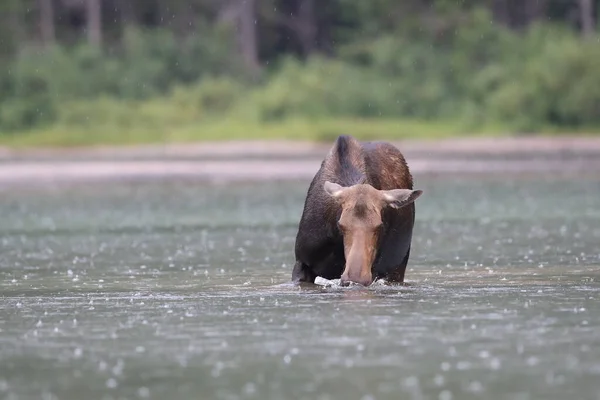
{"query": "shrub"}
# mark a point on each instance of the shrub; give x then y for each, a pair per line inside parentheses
(149, 65)
(467, 70)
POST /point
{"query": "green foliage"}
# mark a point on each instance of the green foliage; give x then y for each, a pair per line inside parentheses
(319, 88)
(149, 64)
(467, 70)
(480, 74)
(158, 117)
(547, 77)
(28, 99)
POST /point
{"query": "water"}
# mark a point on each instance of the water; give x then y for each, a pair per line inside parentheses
(179, 290)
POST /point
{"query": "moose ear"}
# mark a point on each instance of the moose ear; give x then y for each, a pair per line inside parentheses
(333, 189)
(398, 198)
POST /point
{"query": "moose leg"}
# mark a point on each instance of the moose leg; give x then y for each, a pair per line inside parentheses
(397, 274)
(302, 273)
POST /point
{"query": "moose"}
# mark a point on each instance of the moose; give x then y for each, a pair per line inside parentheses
(358, 216)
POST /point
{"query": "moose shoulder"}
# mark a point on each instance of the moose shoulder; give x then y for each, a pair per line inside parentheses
(358, 215)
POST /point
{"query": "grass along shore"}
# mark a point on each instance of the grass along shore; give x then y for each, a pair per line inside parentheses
(313, 130)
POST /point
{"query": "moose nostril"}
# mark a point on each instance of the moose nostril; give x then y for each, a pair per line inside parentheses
(344, 280)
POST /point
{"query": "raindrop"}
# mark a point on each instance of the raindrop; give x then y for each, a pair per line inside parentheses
(463, 365)
(250, 388)
(531, 361)
(445, 395)
(216, 371)
(475, 386)
(118, 369)
(411, 382)
(520, 348)
(495, 363)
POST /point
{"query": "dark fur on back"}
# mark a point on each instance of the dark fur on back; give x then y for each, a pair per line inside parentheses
(347, 162)
(319, 243)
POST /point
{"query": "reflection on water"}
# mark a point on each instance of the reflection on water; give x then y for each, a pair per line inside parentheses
(178, 290)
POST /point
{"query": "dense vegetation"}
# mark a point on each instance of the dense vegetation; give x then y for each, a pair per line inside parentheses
(75, 71)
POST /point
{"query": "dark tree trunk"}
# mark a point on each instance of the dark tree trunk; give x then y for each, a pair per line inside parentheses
(94, 22)
(127, 12)
(247, 35)
(47, 22)
(165, 13)
(16, 24)
(586, 12)
(535, 10)
(307, 30)
(184, 18)
(501, 12)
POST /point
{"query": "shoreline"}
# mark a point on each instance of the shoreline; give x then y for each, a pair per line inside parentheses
(290, 160)
(477, 145)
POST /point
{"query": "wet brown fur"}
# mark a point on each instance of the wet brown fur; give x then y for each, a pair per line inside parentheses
(329, 226)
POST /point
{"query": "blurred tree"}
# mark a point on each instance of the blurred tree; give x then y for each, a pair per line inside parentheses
(431, 50)
(296, 22)
(586, 9)
(299, 18)
(47, 21)
(535, 10)
(242, 15)
(94, 22)
(127, 12)
(247, 34)
(12, 29)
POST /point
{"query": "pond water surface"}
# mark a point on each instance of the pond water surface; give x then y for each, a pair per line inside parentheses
(178, 290)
